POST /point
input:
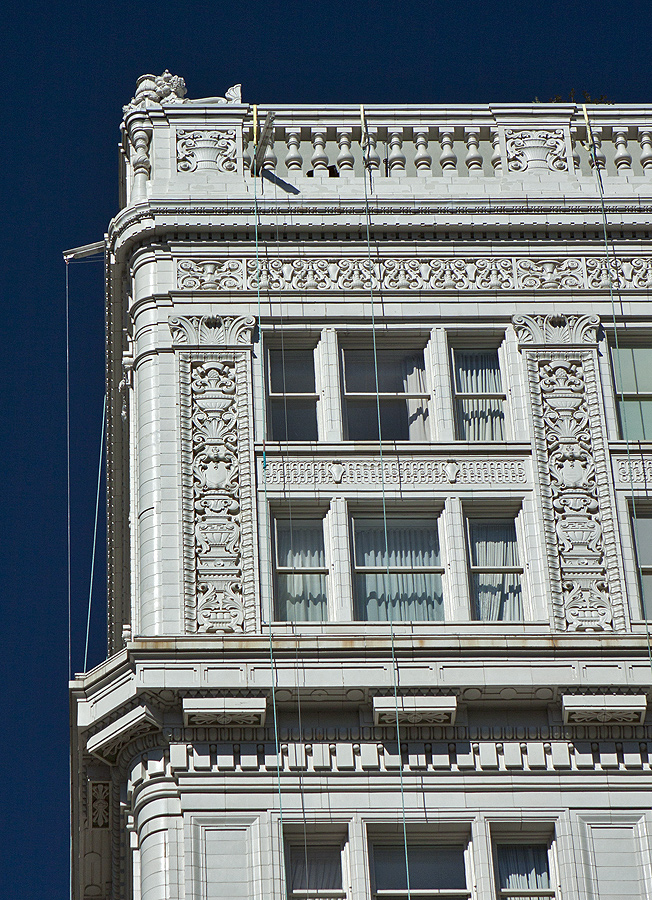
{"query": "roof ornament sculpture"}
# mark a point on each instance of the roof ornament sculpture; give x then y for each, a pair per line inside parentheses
(168, 89)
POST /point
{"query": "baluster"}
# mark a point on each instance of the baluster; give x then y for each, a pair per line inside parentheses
(269, 159)
(371, 157)
(422, 159)
(623, 157)
(396, 158)
(645, 138)
(496, 157)
(577, 162)
(246, 155)
(345, 157)
(319, 158)
(473, 157)
(597, 152)
(447, 159)
(293, 159)
(140, 134)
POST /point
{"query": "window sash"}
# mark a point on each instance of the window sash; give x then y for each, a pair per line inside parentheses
(496, 584)
(479, 398)
(314, 871)
(523, 870)
(449, 869)
(403, 411)
(301, 583)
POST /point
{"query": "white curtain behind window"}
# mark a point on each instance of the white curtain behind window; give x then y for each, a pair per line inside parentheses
(397, 596)
(523, 867)
(414, 382)
(480, 419)
(497, 595)
(301, 594)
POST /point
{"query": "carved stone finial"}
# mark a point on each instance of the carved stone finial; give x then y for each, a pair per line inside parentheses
(157, 90)
(556, 329)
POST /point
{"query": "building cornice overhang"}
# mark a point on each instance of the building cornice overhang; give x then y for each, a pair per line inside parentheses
(155, 220)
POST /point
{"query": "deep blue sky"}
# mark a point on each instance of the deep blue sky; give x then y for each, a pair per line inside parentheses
(69, 68)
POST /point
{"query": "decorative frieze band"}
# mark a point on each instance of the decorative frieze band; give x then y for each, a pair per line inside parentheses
(571, 460)
(635, 469)
(360, 472)
(485, 273)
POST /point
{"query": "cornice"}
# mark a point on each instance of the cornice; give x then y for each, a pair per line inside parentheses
(240, 214)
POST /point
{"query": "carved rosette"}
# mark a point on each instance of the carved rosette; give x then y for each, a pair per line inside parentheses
(206, 150)
(217, 466)
(572, 471)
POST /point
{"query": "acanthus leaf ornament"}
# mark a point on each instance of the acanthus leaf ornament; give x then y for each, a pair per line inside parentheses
(212, 330)
(557, 329)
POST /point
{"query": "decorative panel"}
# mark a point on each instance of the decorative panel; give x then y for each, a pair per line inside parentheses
(571, 462)
(217, 462)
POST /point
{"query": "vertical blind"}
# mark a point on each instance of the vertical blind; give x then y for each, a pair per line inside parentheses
(301, 587)
(496, 594)
(408, 591)
(479, 418)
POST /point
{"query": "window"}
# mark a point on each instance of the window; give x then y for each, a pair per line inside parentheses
(633, 376)
(300, 570)
(642, 530)
(435, 871)
(314, 871)
(479, 397)
(397, 572)
(522, 871)
(292, 395)
(402, 396)
(495, 570)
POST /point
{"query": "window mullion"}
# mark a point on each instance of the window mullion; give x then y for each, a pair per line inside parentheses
(438, 375)
(457, 597)
(327, 383)
(340, 586)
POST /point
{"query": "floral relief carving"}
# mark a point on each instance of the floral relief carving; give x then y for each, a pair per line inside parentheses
(572, 472)
(401, 472)
(100, 803)
(222, 330)
(530, 150)
(221, 275)
(550, 273)
(206, 150)
(637, 469)
(493, 273)
(214, 411)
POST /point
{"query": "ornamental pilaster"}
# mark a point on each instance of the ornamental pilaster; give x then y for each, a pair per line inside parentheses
(560, 352)
(217, 469)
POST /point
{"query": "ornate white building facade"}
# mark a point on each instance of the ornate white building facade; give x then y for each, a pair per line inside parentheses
(352, 668)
